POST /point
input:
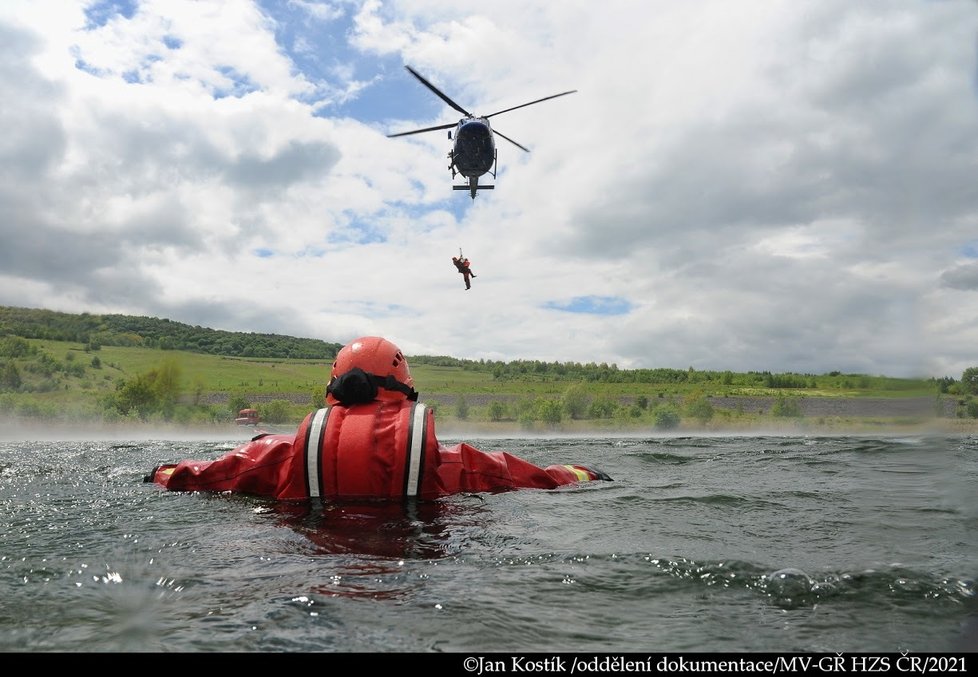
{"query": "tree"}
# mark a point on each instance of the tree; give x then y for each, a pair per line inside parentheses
(526, 412)
(276, 411)
(550, 412)
(666, 417)
(969, 381)
(167, 382)
(238, 402)
(136, 396)
(576, 401)
(497, 411)
(14, 346)
(603, 407)
(785, 407)
(10, 377)
(701, 409)
(198, 389)
(461, 408)
(150, 392)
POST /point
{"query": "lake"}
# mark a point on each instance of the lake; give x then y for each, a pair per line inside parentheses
(739, 543)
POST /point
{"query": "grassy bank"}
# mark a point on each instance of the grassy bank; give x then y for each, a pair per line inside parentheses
(68, 384)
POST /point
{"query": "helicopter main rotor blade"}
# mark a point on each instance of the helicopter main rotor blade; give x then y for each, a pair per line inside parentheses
(426, 129)
(437, 91)
(511, 141)
(546, 98)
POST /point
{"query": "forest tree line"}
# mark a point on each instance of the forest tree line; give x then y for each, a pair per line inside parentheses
(94, 331)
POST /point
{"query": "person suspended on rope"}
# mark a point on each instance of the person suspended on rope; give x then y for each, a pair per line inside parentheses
(464, 267)
(372, 441)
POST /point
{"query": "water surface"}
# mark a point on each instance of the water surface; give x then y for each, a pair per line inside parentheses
(735, 544)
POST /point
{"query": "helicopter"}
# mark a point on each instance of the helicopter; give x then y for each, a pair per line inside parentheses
(473, 152)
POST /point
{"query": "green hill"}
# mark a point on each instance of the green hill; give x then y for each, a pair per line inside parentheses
(150, 332)
(115, 368)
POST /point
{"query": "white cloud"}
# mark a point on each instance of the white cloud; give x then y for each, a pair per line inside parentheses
(762, 185)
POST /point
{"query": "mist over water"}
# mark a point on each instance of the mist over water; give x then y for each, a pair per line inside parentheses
(702, 543)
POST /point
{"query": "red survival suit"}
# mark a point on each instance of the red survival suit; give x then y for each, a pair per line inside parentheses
(463, 267)
(376, 450)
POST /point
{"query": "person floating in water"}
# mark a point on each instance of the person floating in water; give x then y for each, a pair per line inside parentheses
(373, 441)
(463, 266)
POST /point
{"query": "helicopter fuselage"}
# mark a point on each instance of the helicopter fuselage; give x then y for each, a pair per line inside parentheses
(474, 150)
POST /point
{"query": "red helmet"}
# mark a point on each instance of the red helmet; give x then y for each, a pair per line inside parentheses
(370, 368)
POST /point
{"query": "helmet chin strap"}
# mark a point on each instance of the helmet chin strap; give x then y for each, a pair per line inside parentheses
(390, 383)
(357, 387)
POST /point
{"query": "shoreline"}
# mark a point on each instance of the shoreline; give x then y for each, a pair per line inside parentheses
(448, 427)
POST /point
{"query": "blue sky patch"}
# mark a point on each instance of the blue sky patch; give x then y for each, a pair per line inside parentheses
(315, 38)
(394, 94)
(592, 305)
(83, 65)
(970, 249)
(101, 13)
(357, 232)
(242, 84)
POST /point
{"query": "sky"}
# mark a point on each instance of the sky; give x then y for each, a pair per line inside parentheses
(761, 185)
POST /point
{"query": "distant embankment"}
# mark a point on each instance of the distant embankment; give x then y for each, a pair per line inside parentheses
(882, 407)
(872, 407)
(862, 407)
